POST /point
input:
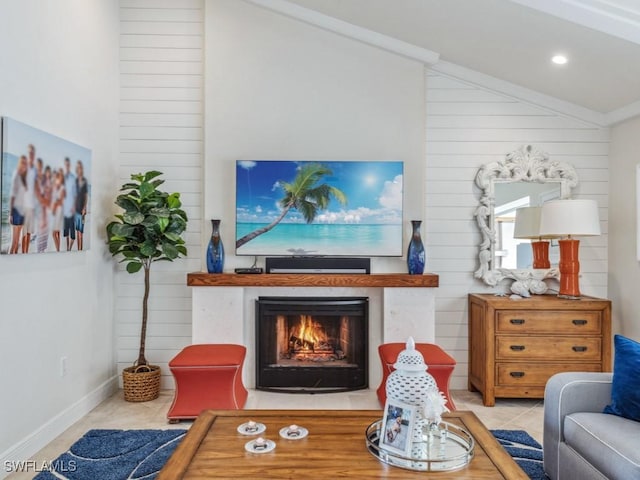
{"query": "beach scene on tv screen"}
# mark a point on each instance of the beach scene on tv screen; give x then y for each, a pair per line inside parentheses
(310, 208)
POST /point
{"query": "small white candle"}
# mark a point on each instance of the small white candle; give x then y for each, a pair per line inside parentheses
(259, 443)
(251, 426)
(293, 430)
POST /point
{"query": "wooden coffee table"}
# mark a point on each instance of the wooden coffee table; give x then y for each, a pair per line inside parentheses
(334, 448)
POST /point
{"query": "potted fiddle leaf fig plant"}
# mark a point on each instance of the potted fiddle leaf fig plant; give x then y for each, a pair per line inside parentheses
(148, 230)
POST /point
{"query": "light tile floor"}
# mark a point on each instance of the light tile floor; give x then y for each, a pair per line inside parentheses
(516, 414)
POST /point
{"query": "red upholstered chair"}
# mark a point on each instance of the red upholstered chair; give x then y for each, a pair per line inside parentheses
(440, 366)
(207, 376)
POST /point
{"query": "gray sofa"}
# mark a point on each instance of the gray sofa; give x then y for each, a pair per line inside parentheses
(582, 443)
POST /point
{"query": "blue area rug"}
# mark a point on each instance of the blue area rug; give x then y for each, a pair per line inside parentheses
(140, 454)
(115, 455)
(524, 450)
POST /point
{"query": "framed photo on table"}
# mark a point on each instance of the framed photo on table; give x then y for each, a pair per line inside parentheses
(397, 424)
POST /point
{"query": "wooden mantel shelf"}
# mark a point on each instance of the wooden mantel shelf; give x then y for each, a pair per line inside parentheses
(382, 280)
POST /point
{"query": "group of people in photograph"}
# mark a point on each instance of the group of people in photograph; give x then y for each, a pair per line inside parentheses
(46, 201)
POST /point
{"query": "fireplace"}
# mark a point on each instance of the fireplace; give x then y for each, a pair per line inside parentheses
(311, 344)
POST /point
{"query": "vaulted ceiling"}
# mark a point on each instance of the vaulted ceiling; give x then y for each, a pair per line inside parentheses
(513, 41)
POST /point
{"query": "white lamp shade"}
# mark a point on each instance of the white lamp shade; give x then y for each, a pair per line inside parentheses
(570, 217)
(527, 223)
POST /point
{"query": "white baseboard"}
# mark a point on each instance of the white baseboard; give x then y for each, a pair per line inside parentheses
(37, 440)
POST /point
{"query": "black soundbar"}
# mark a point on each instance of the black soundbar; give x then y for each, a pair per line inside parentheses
(355, 265)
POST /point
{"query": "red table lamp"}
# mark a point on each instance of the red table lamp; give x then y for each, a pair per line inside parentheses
(527, 226)
(568, 218)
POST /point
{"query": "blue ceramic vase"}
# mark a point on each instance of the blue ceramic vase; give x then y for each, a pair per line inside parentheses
(415, 252)
(215, 249)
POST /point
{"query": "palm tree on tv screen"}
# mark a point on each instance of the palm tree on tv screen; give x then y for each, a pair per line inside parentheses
(304, 195)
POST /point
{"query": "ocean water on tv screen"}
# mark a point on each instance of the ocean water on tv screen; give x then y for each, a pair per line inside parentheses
(323, 239)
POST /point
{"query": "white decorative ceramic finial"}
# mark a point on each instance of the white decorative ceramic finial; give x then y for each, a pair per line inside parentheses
(410, 359)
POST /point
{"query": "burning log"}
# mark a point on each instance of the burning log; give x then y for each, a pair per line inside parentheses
(301, 342)
(315, 357)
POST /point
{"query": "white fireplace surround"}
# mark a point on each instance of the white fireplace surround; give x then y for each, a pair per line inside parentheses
(226, 314)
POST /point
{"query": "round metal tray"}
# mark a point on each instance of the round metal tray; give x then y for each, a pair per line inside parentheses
(450, 452)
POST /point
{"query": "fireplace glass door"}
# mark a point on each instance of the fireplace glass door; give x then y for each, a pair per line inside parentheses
(311, 343)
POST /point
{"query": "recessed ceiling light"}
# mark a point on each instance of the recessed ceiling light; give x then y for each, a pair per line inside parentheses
(559, 59)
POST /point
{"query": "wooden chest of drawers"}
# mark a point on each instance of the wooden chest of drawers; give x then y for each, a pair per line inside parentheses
(516, 345)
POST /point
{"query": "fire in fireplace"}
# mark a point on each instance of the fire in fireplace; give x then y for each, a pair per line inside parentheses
(311, 344)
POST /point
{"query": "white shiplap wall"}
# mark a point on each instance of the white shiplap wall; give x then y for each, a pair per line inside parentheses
(161, 123)
(468, 126)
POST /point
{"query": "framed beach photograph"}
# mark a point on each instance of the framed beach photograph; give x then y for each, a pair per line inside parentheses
(397, 425)
(46, 191)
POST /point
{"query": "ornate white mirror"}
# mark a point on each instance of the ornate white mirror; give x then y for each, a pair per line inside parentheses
(526, 177)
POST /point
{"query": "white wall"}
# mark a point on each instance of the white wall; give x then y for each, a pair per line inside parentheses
(59, 74)
(624, 268)
(161, 95)
(277, 88)
(467, 127)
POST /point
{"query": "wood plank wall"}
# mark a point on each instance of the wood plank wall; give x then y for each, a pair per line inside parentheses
(466, 127)
(161, 123)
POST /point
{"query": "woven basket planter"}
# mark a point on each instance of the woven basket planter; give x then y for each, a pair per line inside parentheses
(141, 383)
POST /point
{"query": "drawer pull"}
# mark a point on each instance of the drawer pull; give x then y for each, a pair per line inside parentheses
(579, 322)
(517, 374)
(579, 349)
(517, 321)
(519, 348)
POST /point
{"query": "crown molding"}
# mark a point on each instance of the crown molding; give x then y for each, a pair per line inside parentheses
(349, 30)
(613, 17)
(623, 113)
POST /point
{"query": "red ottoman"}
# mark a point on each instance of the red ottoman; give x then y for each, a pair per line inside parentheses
(207, 376)
(440, 366)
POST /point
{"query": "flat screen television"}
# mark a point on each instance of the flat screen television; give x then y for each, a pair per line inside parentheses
(319, 208)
